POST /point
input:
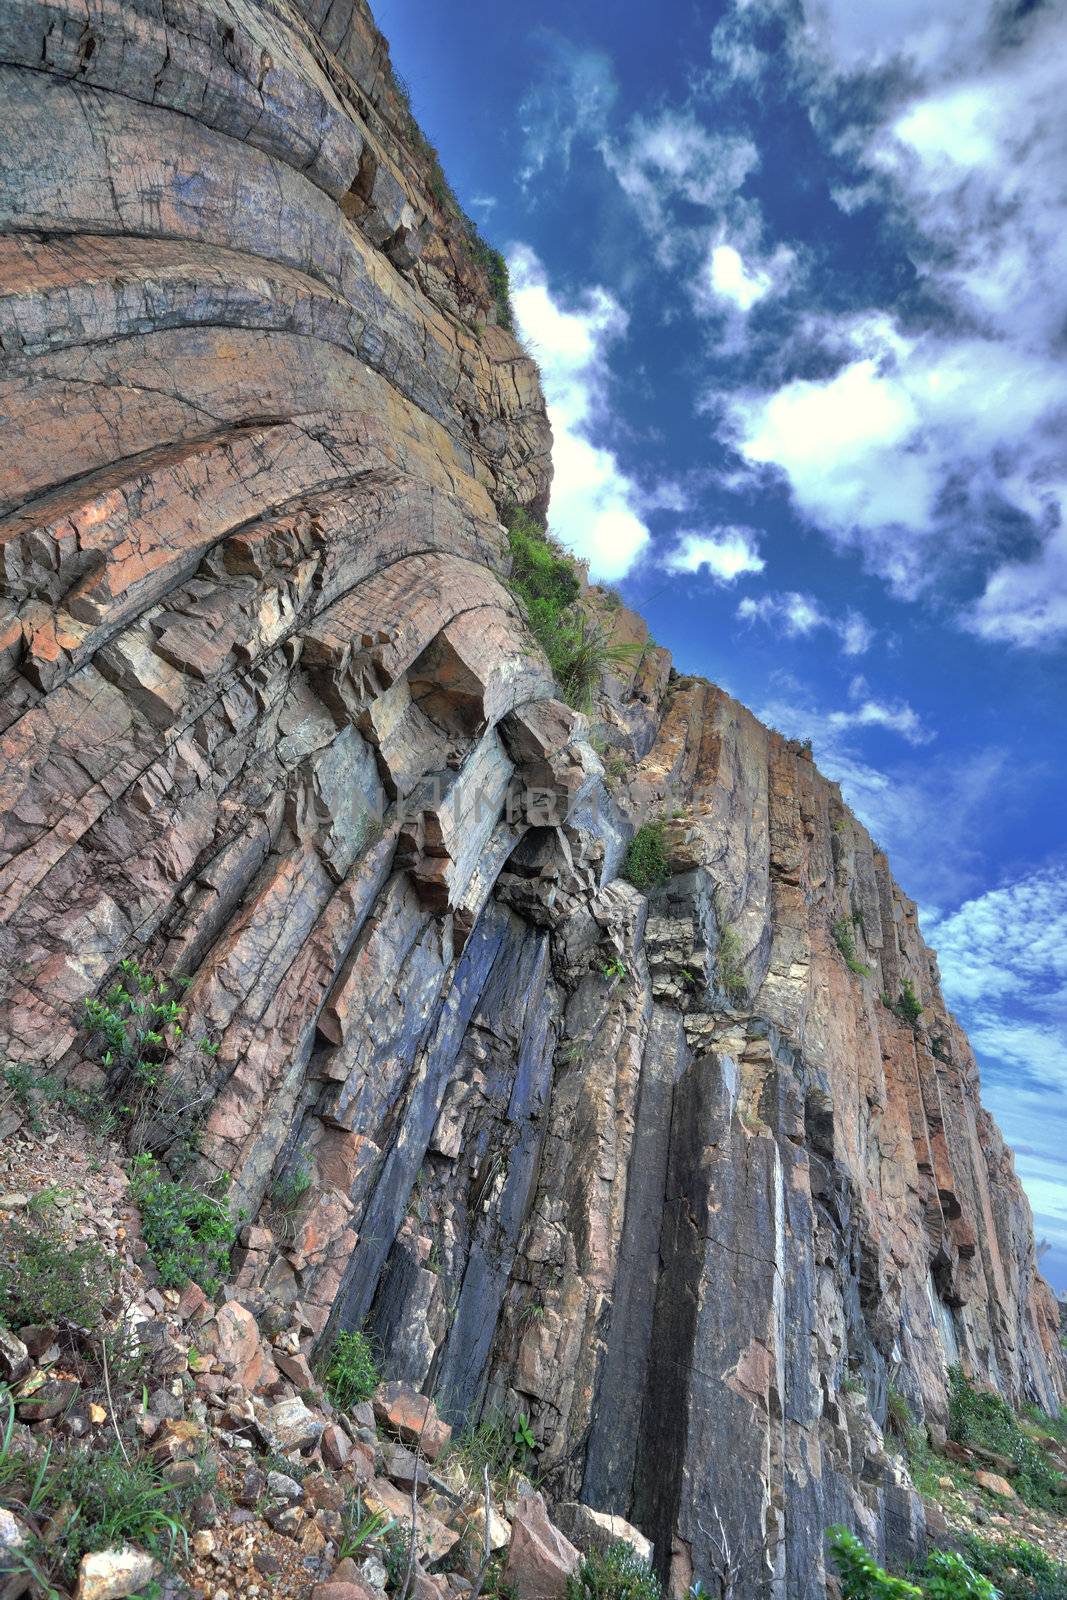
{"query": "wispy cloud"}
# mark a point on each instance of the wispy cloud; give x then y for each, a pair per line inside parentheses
(571, 99)
(724, 554)
(596, 506)
(798, 615)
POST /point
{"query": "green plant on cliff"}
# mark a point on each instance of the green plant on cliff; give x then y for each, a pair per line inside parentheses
(981, 1420)
(730, 965)
(646, 863)
(617, 1573)
(352, 1374)
(845, 941)
(189, 1233)
(547, 581)
(908, 1007)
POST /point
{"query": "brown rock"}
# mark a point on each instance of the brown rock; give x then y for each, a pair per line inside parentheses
(232, 1337)
(49, 1399)
(413, 1417)
(995, 1484)
(539, 1559)
(178, 1441)
(336, 1445)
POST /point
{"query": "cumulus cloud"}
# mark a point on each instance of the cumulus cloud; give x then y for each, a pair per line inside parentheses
(596, 506)
(725, 554)
(925, 441)
(798, 615)
(908, 446)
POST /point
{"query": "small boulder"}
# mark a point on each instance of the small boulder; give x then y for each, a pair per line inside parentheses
(290, 1425)
(178, 1441)
(336, 1446)
(414, 1417)
(14, 1356)
(113, 1574)
(995, 1484)
(50, 1399)
(283, 1487)
(599, 1530)
(344, 1583)
(232, 1338)
(540, 1559)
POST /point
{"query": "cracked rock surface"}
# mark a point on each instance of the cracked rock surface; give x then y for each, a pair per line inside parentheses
(660, 1174)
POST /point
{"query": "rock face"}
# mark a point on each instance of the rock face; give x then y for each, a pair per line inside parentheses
(660, 1177)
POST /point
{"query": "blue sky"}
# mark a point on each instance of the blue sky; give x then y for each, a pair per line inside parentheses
(796, 275)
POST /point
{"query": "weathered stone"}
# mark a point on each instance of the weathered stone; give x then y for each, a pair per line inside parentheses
(49, 1399)
(232, 1339)
(995, 1484)
(599, 1530)
(540, 1559)
(642, 1173)
(14, 1356)
(413, 1417)
(336, 1445)
(113, 1574)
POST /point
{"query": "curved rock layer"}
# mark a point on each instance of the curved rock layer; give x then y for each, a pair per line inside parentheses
(662, 1175)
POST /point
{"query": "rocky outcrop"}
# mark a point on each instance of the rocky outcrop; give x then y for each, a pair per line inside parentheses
(660, 1175)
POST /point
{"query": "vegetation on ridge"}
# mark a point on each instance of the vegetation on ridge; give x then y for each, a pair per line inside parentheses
(548, 582)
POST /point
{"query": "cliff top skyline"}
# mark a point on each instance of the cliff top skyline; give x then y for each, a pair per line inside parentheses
(795, 285)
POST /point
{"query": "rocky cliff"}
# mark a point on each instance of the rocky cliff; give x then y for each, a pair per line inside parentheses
(661, 1173)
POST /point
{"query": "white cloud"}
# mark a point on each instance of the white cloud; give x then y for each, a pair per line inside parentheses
(670, 163)
(922, 447)
(685, 182)
(595, 507)
(797, 615)
(726, 554)
(729, 279)
(1025, 602)
(572, 99)
(903, 450)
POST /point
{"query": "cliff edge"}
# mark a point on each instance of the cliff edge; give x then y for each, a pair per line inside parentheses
(686, 1179)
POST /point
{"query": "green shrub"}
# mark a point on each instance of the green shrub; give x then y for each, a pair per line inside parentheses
(352, 1374)
(646, 864)
(730, 966)
(946, 1576)
(547, 582)
(489, 1445)
(985, 1421)
(1017, 1568)
(189, 1233)
(31, 1091)
(908, 1007)
(617, 1573)
(291, 1187)
(845, 941)
(93, 1499)
(44, 1279)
